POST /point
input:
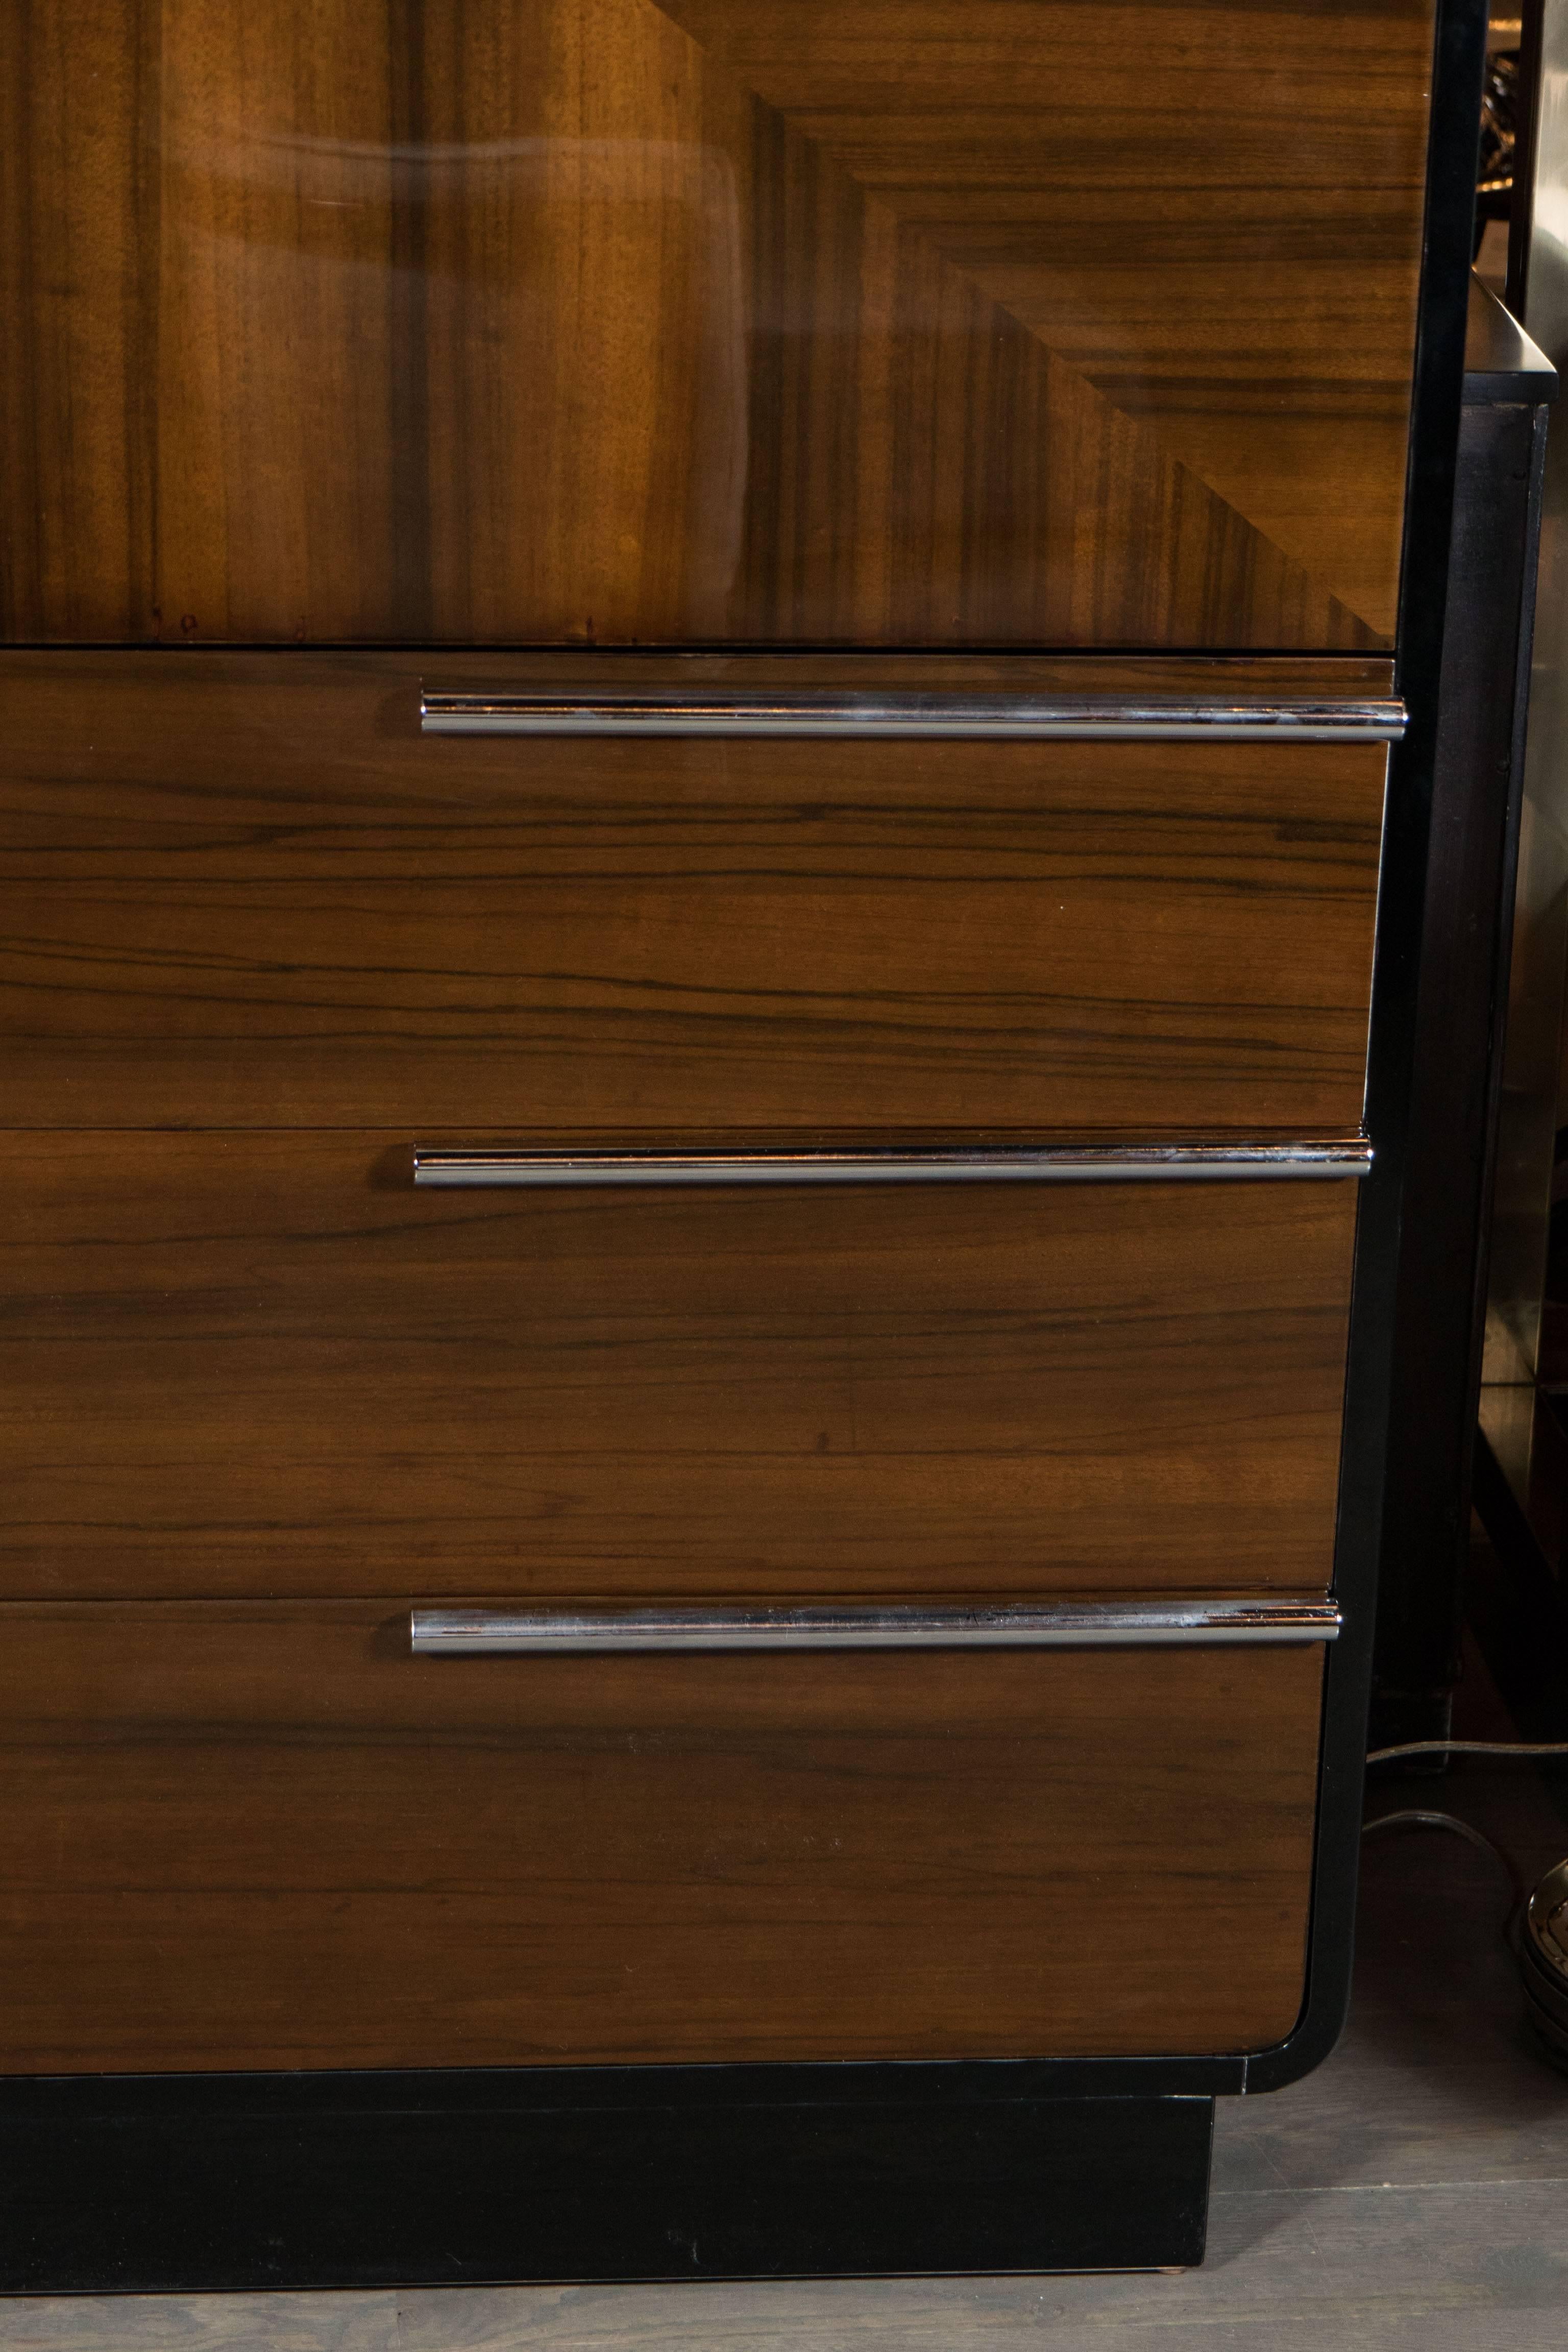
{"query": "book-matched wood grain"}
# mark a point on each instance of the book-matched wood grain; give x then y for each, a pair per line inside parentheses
(259, 1837)
(603, 320)
(245, 891)
(240, 1364)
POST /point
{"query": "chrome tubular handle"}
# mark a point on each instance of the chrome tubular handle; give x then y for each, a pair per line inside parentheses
(1036, 1625)
(1030, 718)
(1347, 1156)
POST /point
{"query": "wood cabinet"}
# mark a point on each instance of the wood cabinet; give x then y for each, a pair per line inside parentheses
(842, 1092)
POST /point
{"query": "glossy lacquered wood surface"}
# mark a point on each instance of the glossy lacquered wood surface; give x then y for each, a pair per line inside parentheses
(270, 1838)
(243, 890)
(253, 1365)
(920, 322)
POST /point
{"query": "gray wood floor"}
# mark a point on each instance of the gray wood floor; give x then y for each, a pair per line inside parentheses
(1413, 2193)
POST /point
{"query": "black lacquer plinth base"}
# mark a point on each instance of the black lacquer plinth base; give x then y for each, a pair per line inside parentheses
(241, 2196)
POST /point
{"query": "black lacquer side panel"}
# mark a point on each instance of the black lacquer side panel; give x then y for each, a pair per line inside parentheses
(1460, 63)
(247, 2196)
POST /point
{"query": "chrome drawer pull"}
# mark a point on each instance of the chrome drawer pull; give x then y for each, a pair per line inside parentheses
(1068, 1164)
(1049, 1625)
(1051, 718)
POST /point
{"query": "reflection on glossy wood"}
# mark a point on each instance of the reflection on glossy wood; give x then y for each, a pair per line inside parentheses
(245, 892)
(242, 1364)
(263, 1837)
(597, 318)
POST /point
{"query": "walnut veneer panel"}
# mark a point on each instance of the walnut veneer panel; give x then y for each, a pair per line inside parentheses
(268, 1838)
(923, 321)
(243, 1364)
(244, 891)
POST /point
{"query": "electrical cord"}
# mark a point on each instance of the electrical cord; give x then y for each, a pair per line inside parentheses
(1470, 1748)
(1512, 1928)
(1419, 1818)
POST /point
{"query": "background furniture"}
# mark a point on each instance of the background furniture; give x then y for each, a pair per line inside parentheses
(1465, 949)
(1516, 1594)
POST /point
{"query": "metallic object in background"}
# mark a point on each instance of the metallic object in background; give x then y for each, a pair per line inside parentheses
(1499, 136)
(1544, 1961)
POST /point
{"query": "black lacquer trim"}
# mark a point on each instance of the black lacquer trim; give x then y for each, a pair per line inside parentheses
(1460, 64)
(252, 2197)
(388, 2091)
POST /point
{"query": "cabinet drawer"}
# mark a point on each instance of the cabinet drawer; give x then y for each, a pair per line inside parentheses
(254, 1364)
(267, 1837)
(246, 892)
